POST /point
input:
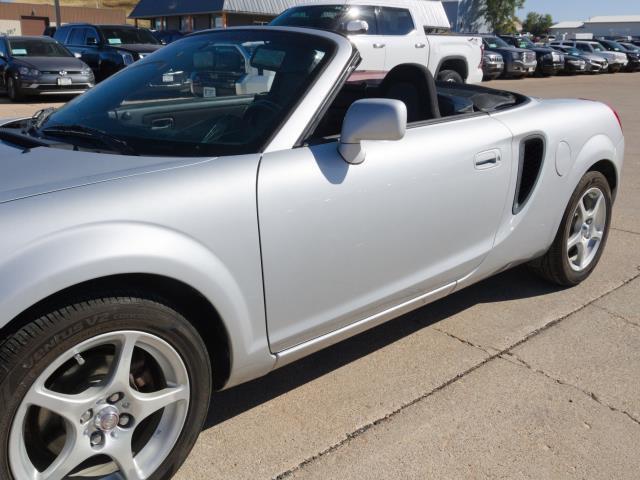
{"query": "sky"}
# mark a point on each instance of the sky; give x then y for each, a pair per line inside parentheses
(562, 10)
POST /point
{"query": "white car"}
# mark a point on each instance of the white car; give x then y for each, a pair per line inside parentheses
(388, 33)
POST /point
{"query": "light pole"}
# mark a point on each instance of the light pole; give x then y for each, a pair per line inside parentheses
(56, 3)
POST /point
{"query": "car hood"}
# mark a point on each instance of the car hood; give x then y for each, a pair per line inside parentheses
(26, 173)
(507, 49)
(593, 56)
(139, 48)
(52, 63)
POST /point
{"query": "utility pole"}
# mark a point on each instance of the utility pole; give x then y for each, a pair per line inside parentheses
(58, 17)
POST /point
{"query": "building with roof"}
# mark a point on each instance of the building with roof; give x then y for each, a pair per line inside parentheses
(192, 15)
(614, 26)
(32, 19)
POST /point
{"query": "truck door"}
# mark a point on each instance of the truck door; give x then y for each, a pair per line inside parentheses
(371, 45)
(405, 40)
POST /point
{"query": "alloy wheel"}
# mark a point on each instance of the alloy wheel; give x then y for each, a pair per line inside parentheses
(113, 406)
(587, 229)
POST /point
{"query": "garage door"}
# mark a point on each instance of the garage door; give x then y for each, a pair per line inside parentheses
(33, 25)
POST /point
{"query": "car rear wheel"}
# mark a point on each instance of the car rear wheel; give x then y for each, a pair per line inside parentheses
(582, 235)
(112, 388)
(450, 76)
(12, 90)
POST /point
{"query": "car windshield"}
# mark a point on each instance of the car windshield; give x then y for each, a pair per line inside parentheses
(218, 93)
(496, 42)
(128, 36)
(631, 47)
(573, 51)
(325, 17)
(597, 47)
(34, 47)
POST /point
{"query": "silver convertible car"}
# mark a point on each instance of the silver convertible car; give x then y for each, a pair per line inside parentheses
(161, 243)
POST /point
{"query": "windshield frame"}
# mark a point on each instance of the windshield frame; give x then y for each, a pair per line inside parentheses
(291, 111)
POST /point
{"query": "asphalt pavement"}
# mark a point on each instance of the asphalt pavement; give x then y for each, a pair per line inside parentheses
(510, 378)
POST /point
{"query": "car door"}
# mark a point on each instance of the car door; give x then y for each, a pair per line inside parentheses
(342, 243)
(404, 43)
(371, 45)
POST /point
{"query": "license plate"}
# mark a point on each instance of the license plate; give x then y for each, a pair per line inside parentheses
(531, 69)
(64, 81)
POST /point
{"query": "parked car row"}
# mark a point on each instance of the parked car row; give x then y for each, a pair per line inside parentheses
(510, 56)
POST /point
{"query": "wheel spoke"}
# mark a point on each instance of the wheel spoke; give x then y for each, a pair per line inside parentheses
(597, 234)
(574, 240)
(600, 203)
(582, 211)
(69, 407)
(146, 404)
(122, 368)
(122, 455)
(72, 455)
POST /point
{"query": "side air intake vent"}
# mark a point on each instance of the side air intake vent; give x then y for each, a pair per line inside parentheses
(529, 168)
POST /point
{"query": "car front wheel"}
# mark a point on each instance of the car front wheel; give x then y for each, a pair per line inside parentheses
(582, 235)
(12, 90)
(450, 76)
(112, 388)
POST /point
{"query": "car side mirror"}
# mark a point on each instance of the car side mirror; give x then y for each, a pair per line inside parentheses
(371, 119)
(77, 55)
(357, 26)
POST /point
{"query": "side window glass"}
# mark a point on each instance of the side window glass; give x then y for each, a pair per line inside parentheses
(77, 36)
(61, 34)
(91, 36)
(395, 21)
(3, 49)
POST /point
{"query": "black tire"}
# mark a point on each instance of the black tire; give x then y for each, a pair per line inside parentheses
(554, 265)
(450, 76)
(12, 90)
(25, 354)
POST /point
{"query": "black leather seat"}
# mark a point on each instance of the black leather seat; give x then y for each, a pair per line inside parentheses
(414, 85)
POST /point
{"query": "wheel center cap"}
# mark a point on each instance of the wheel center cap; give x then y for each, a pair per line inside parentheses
(107, 419)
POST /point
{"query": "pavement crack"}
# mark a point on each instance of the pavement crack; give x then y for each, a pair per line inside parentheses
(500, 354)
(617, 315)
(625, 231)
(516, 360)
(467, 342)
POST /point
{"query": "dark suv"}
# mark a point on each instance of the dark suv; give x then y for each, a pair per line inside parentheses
(518, 62)
(107, 48)
(550, 61)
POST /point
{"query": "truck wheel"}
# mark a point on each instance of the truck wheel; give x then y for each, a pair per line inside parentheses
(582, 235)
(108, 385)
(450, 76)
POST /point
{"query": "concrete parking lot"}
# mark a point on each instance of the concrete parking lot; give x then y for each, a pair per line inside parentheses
(510, 378)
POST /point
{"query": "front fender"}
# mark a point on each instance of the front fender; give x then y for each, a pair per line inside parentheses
(70, 257)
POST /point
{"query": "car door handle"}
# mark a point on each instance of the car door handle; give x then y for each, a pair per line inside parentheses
(488, 159)
(379, 45)
(420, 45)
(162, 123)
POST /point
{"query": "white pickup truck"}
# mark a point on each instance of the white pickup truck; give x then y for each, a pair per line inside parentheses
(388, 33)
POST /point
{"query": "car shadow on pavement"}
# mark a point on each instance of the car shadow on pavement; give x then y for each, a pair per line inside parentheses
(511, 285)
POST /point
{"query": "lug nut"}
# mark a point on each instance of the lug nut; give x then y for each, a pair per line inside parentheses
(86, 416)
(96, 439)
(126, 420)
(115, 398)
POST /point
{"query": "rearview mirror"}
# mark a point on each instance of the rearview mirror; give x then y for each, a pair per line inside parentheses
(357, 26)
(371, 119)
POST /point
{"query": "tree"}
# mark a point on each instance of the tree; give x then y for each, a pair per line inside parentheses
(537, 24)
(501, 14)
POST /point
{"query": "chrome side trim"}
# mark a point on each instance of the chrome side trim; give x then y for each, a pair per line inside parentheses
(302, 350)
